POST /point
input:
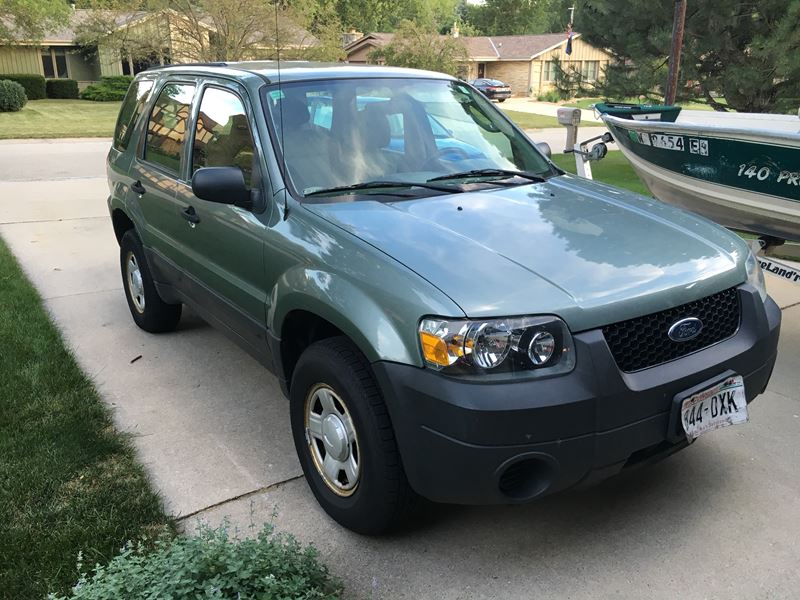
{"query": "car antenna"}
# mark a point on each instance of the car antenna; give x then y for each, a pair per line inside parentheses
(280, 115)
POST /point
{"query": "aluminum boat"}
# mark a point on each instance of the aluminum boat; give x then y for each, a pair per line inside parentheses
(741, 170)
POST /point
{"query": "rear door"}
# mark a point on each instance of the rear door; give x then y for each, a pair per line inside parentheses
(224, 244)
(155, 174)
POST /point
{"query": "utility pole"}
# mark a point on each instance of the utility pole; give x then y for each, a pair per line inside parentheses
(678, 22)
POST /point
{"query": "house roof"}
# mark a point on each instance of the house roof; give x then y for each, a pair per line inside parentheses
(497, 47)
(377, 39)
(513, 47)
(66, 36)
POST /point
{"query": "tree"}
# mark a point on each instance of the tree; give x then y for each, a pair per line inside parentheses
(420, 47)
(370, 16)
(29, 20)
(214, 30)
(511, 17)
(744, 51)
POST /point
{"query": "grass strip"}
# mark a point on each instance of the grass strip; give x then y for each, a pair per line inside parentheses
(69, 481)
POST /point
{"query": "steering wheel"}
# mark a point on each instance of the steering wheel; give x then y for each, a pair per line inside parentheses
(450, 154)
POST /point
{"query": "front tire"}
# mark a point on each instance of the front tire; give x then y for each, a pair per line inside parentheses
(147, 308)
(345, 440)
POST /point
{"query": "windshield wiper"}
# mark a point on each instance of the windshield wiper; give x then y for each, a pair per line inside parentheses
(490, 173)
(374, 185)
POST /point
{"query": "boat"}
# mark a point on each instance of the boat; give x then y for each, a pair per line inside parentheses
(741, 170)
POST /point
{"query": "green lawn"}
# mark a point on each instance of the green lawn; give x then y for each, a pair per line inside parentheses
(529, 120)
(69, 481)
(59, 119)
(614, 169)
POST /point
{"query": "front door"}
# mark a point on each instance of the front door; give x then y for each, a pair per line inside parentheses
(225, 243)
(481, 70)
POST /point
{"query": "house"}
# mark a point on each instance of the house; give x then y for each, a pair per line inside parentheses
(138, 40)
(526, 62)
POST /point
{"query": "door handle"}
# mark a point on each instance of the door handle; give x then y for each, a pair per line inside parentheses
(190, 215)
(137, 187)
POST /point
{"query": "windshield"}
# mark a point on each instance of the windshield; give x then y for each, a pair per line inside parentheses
(337, 133)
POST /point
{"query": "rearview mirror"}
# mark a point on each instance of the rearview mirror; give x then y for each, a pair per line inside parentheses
(224, 185)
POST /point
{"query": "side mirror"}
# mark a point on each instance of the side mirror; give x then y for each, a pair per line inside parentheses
(544, 148)
(224, 185)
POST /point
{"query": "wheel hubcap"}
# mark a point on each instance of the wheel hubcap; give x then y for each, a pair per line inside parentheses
(135, 283)
(332, 440)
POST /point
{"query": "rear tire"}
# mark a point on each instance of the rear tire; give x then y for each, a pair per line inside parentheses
(366, 489)
(147, 308)
(501, 99)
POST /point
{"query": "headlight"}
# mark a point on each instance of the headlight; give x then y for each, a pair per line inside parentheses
(537, 345)
(755, 276)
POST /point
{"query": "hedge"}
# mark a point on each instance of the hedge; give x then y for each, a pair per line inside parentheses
(62, 88)
(108, 89)
(32, 84)
(12, 96)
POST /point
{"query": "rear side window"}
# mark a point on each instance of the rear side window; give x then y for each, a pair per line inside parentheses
(222, 137)
(166, 129)
(132, 107)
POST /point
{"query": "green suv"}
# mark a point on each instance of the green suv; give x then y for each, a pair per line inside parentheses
(450, 315)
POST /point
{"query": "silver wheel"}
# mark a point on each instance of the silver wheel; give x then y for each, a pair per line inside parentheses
(332, 440)
(133, 276)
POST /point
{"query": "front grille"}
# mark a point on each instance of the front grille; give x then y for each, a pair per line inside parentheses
(643, 342)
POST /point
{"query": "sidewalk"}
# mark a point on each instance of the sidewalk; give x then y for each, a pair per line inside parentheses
(545, 108)
(556, 137)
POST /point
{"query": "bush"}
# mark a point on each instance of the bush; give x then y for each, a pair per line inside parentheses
(108, 89)
(62, 89)
(33, 84)
(210, 565)
(549, 96)
(12, 96)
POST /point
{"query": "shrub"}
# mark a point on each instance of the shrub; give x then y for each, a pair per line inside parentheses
(62, 88)
(549, 96)
(108, 89)
(12, 96)
(33, 84)
(211, 565)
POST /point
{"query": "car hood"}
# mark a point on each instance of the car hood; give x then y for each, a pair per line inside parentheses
(590, 253)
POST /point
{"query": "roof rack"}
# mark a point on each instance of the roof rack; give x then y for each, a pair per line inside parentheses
(195, 64)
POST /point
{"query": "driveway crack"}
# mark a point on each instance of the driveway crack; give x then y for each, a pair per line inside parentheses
(267, 488)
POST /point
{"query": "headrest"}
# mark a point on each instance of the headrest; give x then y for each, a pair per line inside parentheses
(374, 127)
(294, 112)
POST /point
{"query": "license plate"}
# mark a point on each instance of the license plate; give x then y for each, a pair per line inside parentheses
(667, 142)
(718, 406)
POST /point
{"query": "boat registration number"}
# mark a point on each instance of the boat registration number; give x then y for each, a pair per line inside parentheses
(662, 140)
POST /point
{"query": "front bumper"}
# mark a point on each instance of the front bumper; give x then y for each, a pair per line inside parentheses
(485, 443)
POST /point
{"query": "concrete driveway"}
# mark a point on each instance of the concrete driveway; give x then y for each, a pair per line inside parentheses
(718, 520)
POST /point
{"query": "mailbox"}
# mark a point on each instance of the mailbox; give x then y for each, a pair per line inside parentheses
(569, 116)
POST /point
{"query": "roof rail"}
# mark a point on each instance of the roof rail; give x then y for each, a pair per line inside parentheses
(195, 64)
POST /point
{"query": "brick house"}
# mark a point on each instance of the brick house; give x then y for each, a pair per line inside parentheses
(526, 62)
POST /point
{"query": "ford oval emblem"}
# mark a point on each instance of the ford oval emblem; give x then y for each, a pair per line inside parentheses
(685, 329)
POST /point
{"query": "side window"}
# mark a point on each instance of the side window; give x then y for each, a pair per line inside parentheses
(166, 130)
(222, 137)
(132, 107)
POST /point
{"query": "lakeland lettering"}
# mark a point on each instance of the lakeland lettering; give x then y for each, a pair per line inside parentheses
(780, 270)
